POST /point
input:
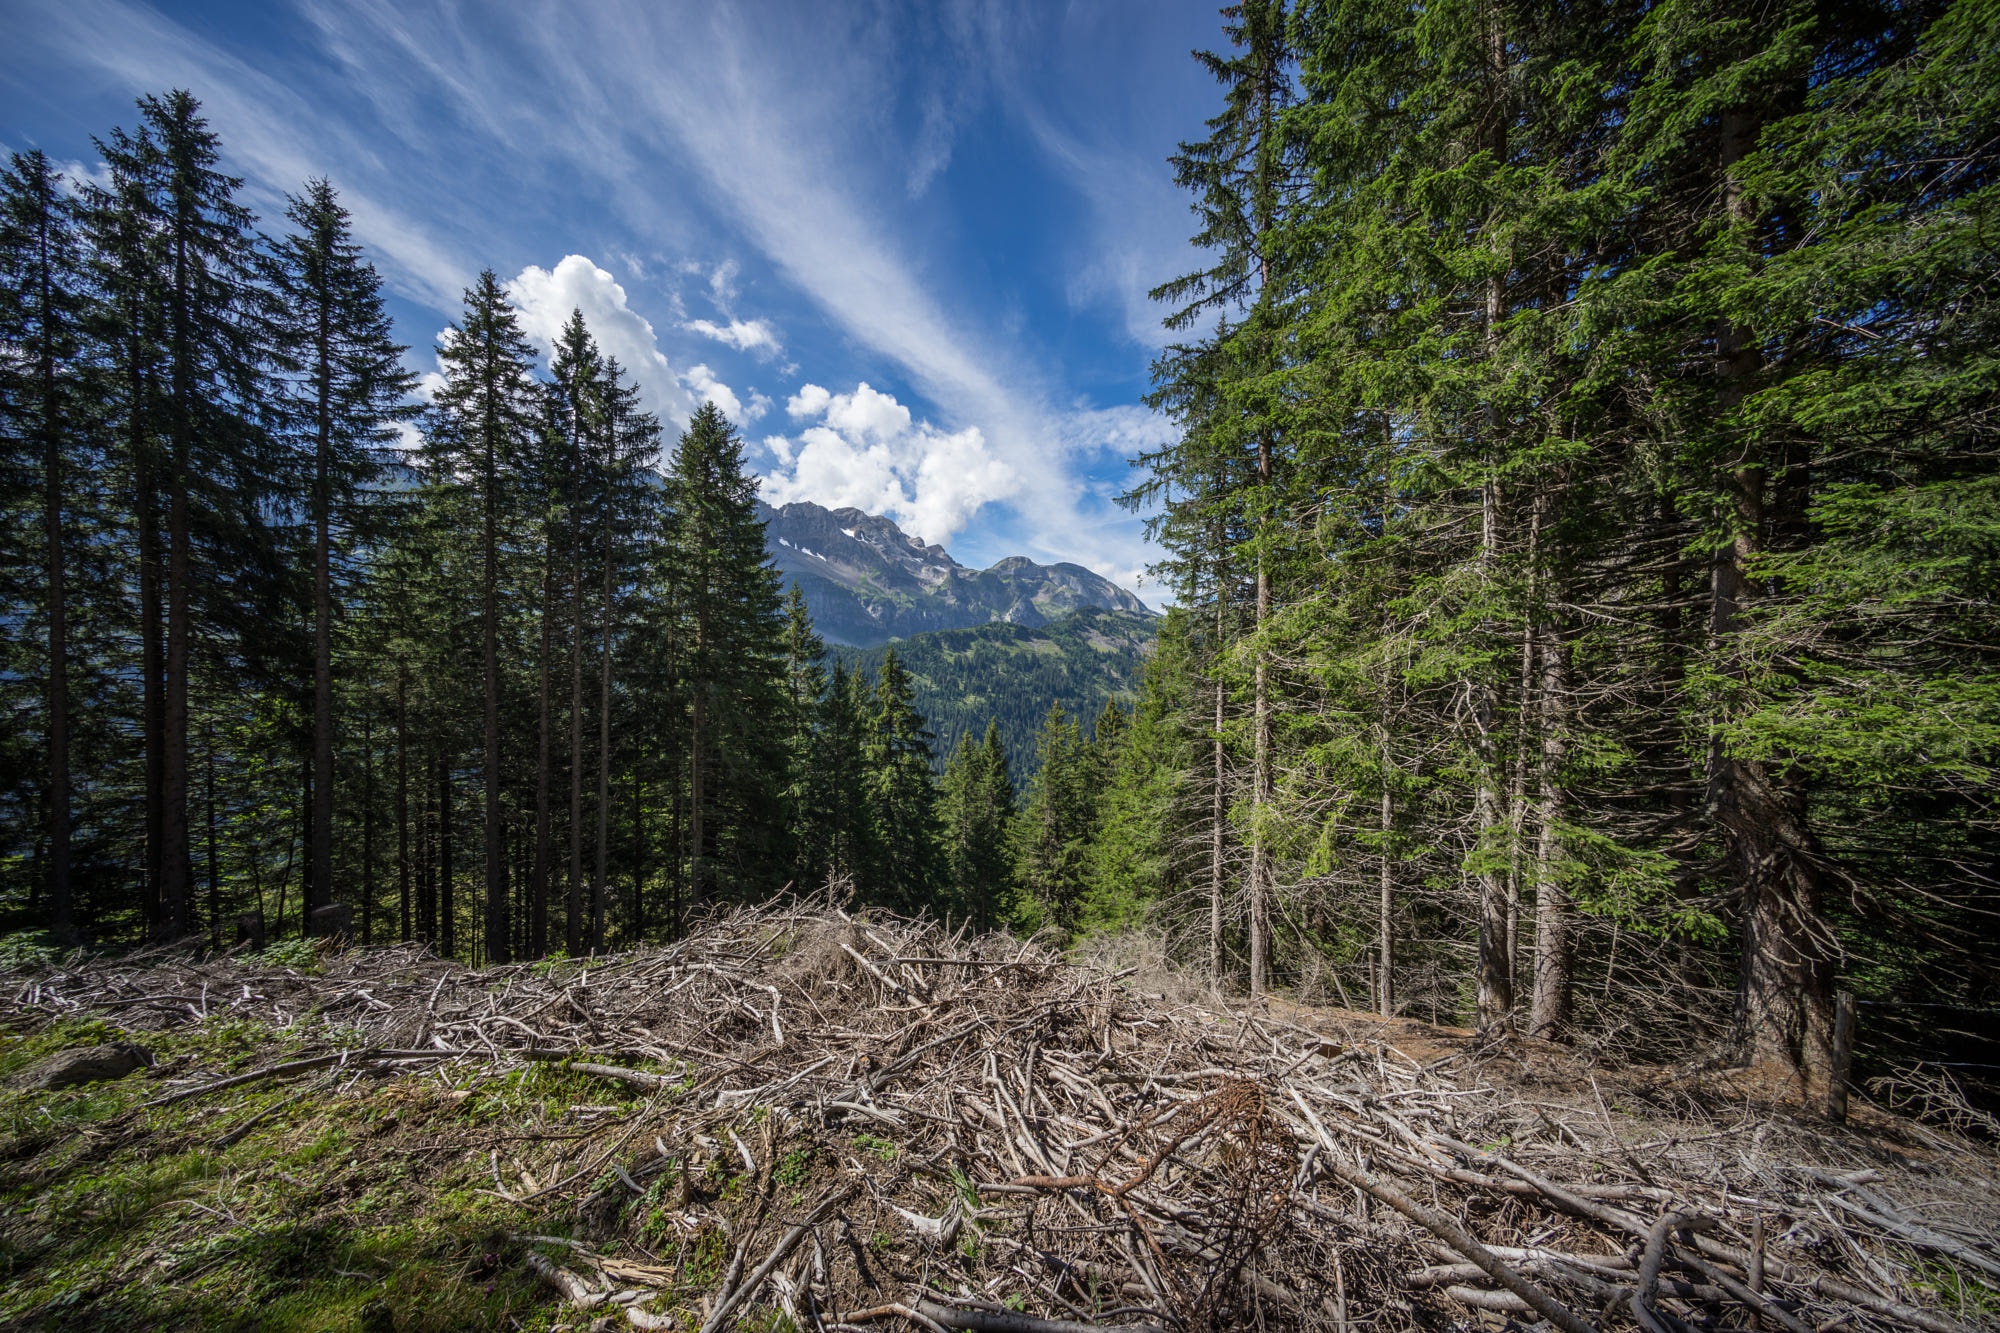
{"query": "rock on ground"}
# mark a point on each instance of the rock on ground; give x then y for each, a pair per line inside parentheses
(84, 1064)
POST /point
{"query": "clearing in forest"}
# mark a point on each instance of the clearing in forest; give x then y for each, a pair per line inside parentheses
(797, 1120)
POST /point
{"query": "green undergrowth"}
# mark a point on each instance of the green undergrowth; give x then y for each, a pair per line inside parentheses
(351, 1203)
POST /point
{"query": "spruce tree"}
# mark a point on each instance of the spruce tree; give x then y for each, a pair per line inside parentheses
(1057, 822)
(482, 420)
(977, 813)
(726, 596)
(902, 794)
(345, 390)
(187, 249)
(42, 411)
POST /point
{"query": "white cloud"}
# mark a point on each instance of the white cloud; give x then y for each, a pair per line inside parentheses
(703, 384)
(810, 401)
(545, 298)
(745, 335)
(871, 454)
(676, 115)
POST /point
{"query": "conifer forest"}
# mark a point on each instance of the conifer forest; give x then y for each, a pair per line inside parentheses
(1566, 769)
(1580, 524)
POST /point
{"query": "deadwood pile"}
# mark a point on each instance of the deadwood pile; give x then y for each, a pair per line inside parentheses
(940, 1132)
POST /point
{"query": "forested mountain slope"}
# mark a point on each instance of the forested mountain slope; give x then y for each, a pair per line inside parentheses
(866, 581)
(1010, 674)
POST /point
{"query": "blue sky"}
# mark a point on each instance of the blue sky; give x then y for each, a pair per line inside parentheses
(905, 246)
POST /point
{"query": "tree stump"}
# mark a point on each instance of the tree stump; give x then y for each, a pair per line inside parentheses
(335, 921)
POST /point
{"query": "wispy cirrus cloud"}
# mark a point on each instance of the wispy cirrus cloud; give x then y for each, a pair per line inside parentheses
(638, 128)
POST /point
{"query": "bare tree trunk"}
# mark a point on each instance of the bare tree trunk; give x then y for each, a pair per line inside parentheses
(576, 741)
(696, 803)
(175, 866)
(1549, 1012)
(603, 748)
(367, 825)
(214, 865)
(1517, 794)
(1217, 825)
(1495, 995)
(1384, 919)
(544, 727)
(62, 909)
(319, 877)
(447, 915)
(1260, 776)
(152, 635)
(496, 857)
(402, 804)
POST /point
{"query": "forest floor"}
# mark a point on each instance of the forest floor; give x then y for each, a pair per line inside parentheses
(795, 1121)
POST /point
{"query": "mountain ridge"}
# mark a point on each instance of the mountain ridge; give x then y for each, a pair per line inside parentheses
(867, 582)
(1009, 674)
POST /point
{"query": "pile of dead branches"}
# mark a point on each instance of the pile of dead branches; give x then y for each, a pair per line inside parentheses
(870, 1120)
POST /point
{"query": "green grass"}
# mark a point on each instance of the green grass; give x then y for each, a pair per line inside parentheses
(360, 1209)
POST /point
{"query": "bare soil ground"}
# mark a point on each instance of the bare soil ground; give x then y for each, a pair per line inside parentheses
(794, 1120)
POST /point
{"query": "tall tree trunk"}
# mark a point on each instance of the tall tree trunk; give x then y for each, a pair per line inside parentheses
(603, 748)
(62, 910)
(1495, 994)
(577, 904)
(214, 864)
(319, 877)
(1260, 763)
(402, 803)
(1218, 819)
(152, 637)
(539, 881)
(367, 825)
(1385, 908)
(306, 840)
(496, 854)
(696, 802)
(1549, 1012)
(638, 851)
(1218, 813)
(447, 914)
(1496, 990)
(1785, 991)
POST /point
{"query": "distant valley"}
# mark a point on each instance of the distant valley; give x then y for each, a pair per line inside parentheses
(1010, 674)
(868, 582)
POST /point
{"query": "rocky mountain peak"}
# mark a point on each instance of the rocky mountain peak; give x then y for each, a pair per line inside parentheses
(866, 581)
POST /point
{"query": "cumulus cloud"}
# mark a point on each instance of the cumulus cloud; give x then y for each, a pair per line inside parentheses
(745, 335)
(703, 384)
(868, 452)
(545, 298)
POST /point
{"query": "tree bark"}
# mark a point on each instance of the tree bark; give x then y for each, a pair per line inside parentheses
(319, 879)
(447, 916)
(1260, 776)
(600, 891)
(62, 911)
(539, 881)
(367, 825)
(402, 803)
(696, 802)
(1385, 907)
(1495, 969)
(152, 635)
(1495, 993)
(496, 856)
(577, 906)
(1549, 1011)
(174, 863)
(214, 864)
